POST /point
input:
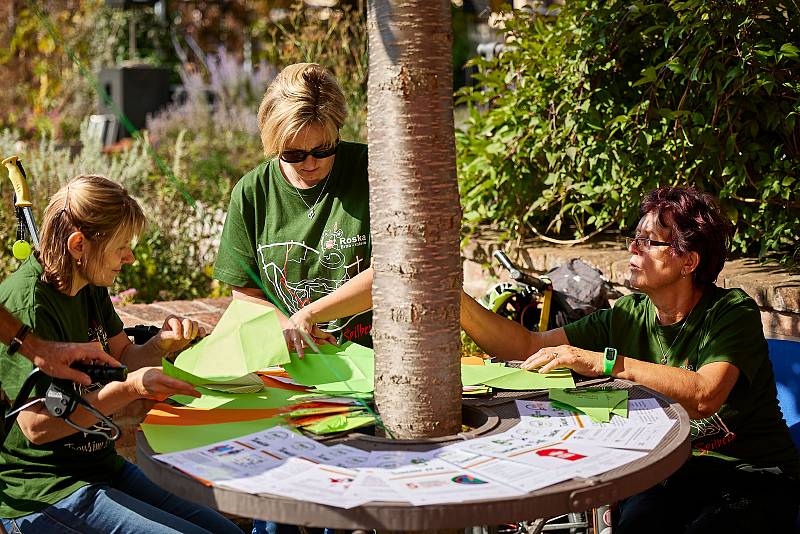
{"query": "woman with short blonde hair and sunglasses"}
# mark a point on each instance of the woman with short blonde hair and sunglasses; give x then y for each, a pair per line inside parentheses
(297, 234)
(54, 478)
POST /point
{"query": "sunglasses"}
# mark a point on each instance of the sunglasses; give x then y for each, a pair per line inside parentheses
(644, 243)
(299, 156)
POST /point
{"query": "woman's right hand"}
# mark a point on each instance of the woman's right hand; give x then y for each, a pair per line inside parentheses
(152, 383)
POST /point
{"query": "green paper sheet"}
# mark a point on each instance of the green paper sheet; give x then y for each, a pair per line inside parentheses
(247, 338)
(598, 404)
(320, 396)
(349, 367)
(472, 375)
(171, 438)
(522, 380)
(339, 423)
(267, 398)
(249, 383)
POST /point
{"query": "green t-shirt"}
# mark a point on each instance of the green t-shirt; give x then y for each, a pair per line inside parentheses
(725, 326)
(33, 477)
(300, 259)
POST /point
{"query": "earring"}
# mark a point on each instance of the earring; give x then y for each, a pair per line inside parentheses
(78, 261)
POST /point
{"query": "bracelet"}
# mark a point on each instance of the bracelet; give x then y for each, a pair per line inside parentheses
(16, 341)
(609, 359)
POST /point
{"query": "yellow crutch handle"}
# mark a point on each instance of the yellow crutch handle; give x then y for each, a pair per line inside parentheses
(17, 176)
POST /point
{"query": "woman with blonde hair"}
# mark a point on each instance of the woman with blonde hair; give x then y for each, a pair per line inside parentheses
(297, 235)
(52, 477)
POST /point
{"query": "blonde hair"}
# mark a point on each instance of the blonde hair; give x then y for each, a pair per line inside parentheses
(301, 95)
(97, 207)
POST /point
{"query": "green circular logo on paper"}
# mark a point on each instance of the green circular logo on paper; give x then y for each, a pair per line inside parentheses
(21, 249)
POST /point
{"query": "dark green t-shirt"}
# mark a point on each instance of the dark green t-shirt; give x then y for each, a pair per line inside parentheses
(298, 259)
(33, 477)
(725, 326)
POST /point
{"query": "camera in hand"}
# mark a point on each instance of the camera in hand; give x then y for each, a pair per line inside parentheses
(103, 374)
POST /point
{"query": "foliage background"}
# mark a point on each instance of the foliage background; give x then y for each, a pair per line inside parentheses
(581, 115)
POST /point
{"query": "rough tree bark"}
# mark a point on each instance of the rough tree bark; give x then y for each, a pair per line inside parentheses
(415, 216)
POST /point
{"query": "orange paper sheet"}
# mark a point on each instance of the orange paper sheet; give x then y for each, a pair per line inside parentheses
(165, 414)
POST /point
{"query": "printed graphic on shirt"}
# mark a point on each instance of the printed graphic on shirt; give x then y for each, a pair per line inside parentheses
(280, 260)
(710, 433)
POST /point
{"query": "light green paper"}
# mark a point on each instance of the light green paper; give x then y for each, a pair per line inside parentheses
(349, 368)
(249, 383)
(339, 423)
(522, 380)
(171, 438)
(597, 404)
(472, 375)
(247, 338)
(267, 398)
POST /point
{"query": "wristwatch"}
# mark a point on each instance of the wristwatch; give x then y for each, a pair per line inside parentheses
(16, 341)
(609, 359)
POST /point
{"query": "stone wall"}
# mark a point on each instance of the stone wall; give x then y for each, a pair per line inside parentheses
(776, 290)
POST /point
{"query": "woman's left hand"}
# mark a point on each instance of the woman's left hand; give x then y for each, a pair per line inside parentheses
(584, 362)
(177, 333)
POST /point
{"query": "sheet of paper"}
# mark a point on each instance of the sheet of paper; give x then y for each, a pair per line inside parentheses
(397, 459)
(340, 423)
(522, 380)
(369, 486)
(643, 437)
(247, 338)
(542, 413)
(167, 414)
(342, 456)
(438, 481)
(266, 481)
(520, 476)
(472, 375)
(249, 383)
(325, 485)
(348, 368)
(578, 458)
(266, 398)
(171, 438)
(596, 403)
(221, 461)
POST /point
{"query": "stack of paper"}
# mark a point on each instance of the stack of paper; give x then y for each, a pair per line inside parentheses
(598, 403)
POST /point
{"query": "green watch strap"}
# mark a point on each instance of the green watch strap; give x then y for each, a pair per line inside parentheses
(609, 359)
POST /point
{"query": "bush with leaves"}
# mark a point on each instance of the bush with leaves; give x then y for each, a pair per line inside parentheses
(581, 116)
(337, 41)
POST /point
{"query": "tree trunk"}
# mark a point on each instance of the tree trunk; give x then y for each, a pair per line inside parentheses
(415, 217)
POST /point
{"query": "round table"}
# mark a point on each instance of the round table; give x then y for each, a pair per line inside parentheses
(490, 416)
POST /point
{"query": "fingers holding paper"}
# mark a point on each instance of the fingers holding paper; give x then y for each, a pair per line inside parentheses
(300, 331)
(177, 333)
(152, 383)
(583, 362)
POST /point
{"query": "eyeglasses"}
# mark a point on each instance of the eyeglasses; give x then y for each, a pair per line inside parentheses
(299, 156)
(644, 243)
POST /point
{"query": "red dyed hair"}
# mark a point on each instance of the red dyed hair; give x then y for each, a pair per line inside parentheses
(697, 225)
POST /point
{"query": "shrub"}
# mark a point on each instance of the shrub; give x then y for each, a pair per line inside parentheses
(581, 116)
